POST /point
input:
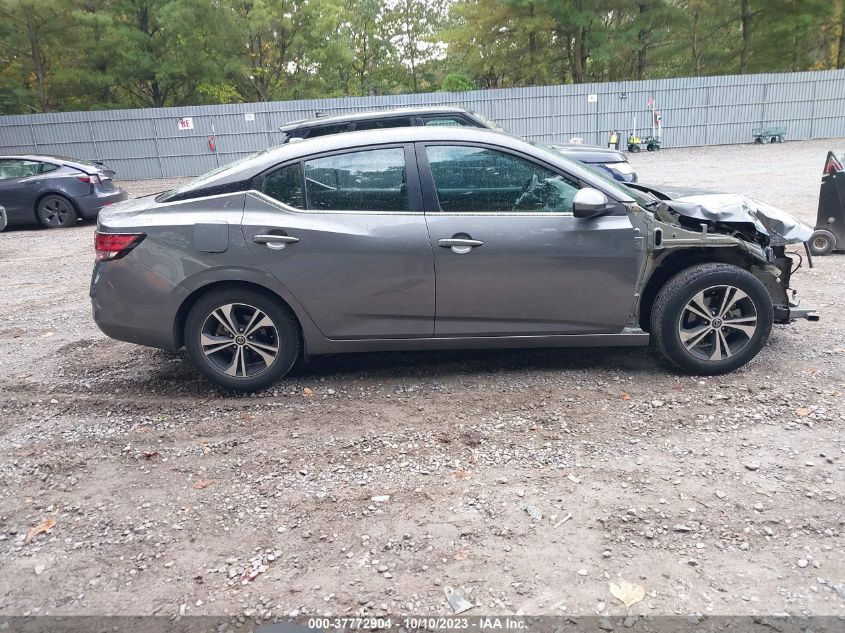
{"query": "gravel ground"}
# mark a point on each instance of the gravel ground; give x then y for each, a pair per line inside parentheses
(527, 480)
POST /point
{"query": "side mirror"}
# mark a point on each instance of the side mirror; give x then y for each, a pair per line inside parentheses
(589, 202)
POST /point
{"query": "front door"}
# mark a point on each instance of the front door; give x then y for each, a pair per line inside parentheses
(510, 257)
(20, 184)
(345, 233)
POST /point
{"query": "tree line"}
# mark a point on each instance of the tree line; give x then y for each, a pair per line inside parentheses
(60, 55)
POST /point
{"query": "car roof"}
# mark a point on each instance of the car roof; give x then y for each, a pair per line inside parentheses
(76, 163)
(251, 166)
(372, 114)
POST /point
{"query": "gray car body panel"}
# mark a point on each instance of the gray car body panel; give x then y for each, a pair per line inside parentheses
(21, 195)
(370, 281)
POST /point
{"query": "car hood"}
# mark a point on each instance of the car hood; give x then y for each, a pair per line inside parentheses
(731, 208)
(589, 153)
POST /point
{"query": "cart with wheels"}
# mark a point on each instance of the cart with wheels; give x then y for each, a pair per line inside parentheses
(763, 134)
(829, 235)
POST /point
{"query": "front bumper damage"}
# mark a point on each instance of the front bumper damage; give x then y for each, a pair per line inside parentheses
(746, 217)
(745, 230)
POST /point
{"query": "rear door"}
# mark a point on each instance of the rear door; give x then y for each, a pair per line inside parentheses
(345, 233)
(511, 259)
(20, 184)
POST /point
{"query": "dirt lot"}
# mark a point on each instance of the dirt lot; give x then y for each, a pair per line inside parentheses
(527, 480)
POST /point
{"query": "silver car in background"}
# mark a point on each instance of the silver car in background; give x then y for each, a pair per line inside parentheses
(434, 238)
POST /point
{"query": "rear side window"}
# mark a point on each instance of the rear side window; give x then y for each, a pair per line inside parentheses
(285, 185)
(325, 130)
(46, 168)
(447, 121)
(470, 179)
(383, 124)
(371, 180)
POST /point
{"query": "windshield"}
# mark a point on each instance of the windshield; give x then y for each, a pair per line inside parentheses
(643, 199)
(200, 181)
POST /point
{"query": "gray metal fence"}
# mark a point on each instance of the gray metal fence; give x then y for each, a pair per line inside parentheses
(695, 111)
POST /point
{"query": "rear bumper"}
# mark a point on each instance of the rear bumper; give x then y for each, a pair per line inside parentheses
(89, 206)
(132, 303)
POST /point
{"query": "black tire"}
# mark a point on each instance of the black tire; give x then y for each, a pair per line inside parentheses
(56, 212)
(650, 147)
(822, 242)
(248, 356)
(735, 339)
(758, 141)
(634, 148)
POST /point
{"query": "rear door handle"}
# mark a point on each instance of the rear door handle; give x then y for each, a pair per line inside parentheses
(459, 245)
(275, 241)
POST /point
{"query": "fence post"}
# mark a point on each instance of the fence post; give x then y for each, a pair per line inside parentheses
(158, 148)
(813, 109)
(94, 140)
(34, 140)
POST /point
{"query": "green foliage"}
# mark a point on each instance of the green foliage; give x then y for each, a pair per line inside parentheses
(456, 82)
(96, 54)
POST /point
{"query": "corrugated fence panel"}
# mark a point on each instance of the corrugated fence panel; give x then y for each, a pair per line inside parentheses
(695, 111)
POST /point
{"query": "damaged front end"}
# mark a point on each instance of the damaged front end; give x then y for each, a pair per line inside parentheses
(746, 232)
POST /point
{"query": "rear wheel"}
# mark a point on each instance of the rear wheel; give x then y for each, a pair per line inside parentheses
(242, 339)
(634, 148)
(822, 242)
(55, 211)
(711, 318)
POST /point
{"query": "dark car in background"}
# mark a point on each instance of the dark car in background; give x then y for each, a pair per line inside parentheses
(54, 191)
(610, 160)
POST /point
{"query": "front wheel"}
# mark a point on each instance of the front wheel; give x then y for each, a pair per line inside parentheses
(822, 242)
(711, 318)
(242, 339)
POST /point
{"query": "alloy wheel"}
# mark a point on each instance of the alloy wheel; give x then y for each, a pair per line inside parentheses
(239, 340)
(717, 323)
(56, 212)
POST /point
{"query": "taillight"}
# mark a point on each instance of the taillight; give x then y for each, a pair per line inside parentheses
(111, 246)
(90, 179)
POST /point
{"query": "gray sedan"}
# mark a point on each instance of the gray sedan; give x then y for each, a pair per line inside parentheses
(53, 190)
(435, 238)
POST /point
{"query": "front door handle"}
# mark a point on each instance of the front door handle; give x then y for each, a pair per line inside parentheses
(275, 242)
(459, 245)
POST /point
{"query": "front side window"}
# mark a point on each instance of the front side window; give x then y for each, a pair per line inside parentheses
(17, 168)
(285, 185)
(473, 179)
(371, 180)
